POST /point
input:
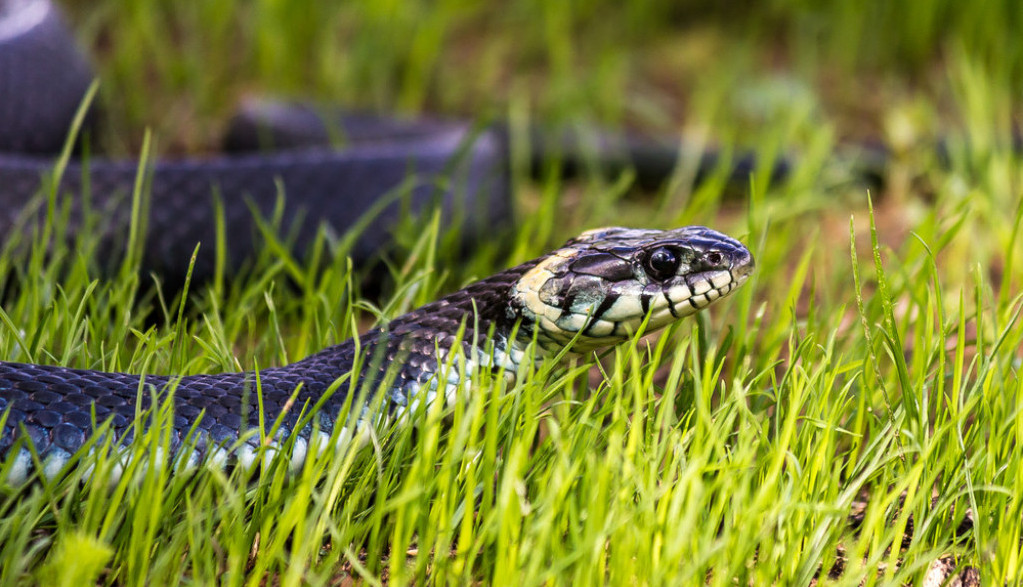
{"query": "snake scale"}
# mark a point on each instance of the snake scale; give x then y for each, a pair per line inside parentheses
(593, 292)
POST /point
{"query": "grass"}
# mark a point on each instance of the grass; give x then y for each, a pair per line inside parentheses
(874, 356)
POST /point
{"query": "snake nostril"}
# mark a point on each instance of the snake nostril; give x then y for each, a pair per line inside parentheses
(713, 257)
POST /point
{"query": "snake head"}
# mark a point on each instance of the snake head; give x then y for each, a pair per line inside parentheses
(600, 286)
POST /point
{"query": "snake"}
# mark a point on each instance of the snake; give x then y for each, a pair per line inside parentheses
(590, 294)
(596, 291)
(593, 292)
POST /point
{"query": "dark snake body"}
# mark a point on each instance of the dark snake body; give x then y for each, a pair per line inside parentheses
(373, 170)
(613, 277)
(54, 405)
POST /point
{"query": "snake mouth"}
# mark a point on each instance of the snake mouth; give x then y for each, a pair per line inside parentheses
(743, 266)
(701, 288)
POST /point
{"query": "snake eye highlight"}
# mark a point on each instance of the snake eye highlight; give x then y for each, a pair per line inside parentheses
(662, 263)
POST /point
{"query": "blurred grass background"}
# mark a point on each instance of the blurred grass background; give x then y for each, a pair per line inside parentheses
(180, 67)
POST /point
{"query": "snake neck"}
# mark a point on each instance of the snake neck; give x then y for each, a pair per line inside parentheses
(481, 315)
(410, 359)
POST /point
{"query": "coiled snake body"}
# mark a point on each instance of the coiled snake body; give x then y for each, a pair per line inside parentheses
(593, 292)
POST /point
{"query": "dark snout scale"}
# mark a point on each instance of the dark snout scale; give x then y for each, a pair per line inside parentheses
(593, 292)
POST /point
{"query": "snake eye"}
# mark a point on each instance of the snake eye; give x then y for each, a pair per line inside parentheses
(662, 263)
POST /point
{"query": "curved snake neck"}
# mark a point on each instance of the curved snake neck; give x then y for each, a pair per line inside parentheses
(594, 292)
